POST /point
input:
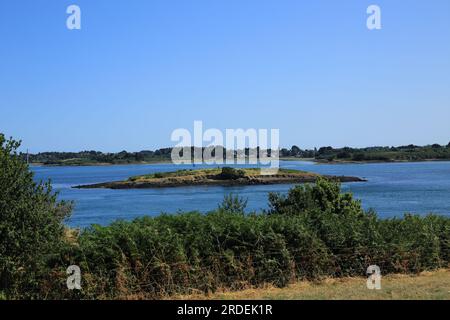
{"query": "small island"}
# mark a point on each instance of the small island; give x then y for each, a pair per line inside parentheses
(225, 176)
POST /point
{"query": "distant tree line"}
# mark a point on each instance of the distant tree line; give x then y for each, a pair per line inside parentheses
(55, 158)
(401, 153)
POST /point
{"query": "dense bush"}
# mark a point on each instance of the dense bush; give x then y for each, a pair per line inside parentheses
(31, 228)
(231, 174)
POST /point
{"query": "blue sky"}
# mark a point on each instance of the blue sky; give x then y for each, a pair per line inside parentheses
(137, 70)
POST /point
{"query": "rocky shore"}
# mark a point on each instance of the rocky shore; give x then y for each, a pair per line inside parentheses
(215, 177)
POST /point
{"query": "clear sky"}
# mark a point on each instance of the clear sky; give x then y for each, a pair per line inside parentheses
(138, 69)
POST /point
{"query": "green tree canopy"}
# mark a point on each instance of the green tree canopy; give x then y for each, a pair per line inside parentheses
(30, 223)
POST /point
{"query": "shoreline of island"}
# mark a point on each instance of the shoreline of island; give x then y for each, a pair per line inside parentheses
(225, 177)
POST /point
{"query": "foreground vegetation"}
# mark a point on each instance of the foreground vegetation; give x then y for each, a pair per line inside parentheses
(313, 232)
(424, 286)
(168, 255)
(323, 154)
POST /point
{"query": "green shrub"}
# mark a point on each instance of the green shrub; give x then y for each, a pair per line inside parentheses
(31, 226)
(233, 204)
(231, 174)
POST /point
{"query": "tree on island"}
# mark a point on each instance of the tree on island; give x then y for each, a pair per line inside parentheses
(231, 174)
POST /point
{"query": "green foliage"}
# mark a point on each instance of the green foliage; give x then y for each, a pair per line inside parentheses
(233, 204)
(323, 196)
(30, 224)
(231, 173)
(415, 243)
(402, 153)
(96, 157)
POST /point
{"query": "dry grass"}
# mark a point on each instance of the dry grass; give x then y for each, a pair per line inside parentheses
(71, 235)
(425, 286)
(204, 173)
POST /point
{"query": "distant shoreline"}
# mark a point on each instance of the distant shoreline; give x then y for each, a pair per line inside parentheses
(328, 155)
(377, 161)
(315, 161)
(99, 164)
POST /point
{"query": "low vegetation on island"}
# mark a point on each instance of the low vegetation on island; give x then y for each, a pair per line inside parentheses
(225, 176)
(314, 232)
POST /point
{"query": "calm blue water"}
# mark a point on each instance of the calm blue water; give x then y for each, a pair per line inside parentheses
(392, 189)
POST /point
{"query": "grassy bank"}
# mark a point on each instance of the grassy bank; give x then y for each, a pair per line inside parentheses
(424, 286)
